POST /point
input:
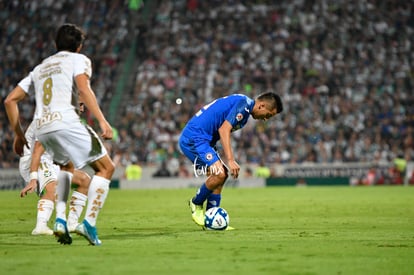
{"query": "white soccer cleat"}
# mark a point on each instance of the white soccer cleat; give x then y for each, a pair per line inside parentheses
(42, 230)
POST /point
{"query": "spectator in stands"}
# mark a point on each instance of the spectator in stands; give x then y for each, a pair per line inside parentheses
(133, 171)
(400, 164)
(104, 23)
(183, 171)
(248, 173)
(288, 47)
(262, 170)
(411, 179)
(394, 175)
(373, 177)
(162, 171)
(344, 70)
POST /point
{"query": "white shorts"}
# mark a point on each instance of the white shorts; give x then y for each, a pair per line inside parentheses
(47, 171)
(78, 143)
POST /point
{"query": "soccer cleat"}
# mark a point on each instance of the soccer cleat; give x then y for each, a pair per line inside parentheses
(89, 232)
(42, 230)
(60, 230)
(197, 213)
(228, 228)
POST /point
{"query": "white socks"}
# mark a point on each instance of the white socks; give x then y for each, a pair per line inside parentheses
(44, 211)
(76, 205)
(62, 193)
(98, 190)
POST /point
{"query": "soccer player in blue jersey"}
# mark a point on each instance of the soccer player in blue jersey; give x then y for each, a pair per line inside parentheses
(216, 121)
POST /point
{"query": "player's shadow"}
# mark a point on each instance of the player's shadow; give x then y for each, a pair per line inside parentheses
(144, 233)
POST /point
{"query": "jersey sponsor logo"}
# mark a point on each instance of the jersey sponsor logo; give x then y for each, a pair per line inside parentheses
(48, 118)
(239, 116)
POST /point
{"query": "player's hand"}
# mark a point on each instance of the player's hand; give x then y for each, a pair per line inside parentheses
(106, 130)
(18, 145)
(29, 188)
(234, 168)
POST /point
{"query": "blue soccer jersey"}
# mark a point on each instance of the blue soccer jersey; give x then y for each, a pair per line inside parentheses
(205, 123)
(200, 135)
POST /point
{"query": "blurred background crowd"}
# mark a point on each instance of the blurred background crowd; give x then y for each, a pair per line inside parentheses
(343, 69)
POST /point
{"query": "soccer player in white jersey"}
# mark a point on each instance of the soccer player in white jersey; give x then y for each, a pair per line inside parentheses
(59, 81)
(47, 176)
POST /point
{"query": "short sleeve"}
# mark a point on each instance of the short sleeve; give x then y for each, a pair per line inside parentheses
(26, 83)
(238, 112)
(82, 65)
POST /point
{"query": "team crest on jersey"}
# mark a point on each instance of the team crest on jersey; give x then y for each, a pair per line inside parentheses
(47, 173)
(239, 116)
(209, 156)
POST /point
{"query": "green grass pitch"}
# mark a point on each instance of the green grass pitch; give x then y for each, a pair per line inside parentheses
(279, 230)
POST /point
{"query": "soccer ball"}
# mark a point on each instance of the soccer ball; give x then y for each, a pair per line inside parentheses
(216, 218)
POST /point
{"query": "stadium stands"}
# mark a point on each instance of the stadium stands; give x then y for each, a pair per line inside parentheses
(343, 68)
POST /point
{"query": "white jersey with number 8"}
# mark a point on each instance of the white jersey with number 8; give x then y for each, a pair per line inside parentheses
(58, 125)
(56, 93)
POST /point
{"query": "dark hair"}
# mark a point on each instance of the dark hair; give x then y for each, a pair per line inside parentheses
(274, 100)
(69, 37)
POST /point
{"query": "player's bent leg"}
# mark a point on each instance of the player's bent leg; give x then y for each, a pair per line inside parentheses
(44, 211)
(216, 178)
(78, 199)
(60, 229)
(215, 182)
(45, 207)
(76, 205)
(97, 193)
(82, 180)
(104, 167)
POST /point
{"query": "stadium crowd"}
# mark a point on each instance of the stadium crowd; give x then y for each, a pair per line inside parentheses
(343, 69)
(27, 35)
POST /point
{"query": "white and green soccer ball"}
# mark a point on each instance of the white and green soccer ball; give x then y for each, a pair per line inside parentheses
(216, 218)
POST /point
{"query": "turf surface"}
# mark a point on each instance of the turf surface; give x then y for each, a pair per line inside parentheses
(279, 230)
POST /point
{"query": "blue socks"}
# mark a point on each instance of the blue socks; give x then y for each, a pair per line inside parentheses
(213, 201)
(202, 194)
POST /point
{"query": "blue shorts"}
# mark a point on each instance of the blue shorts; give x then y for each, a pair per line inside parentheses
(199, 151)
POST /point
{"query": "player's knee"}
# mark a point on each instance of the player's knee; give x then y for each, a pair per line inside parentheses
(225, 176)
(111, 169)
(104, 167)
(221, 175)
(108, 169)
(83, 179)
